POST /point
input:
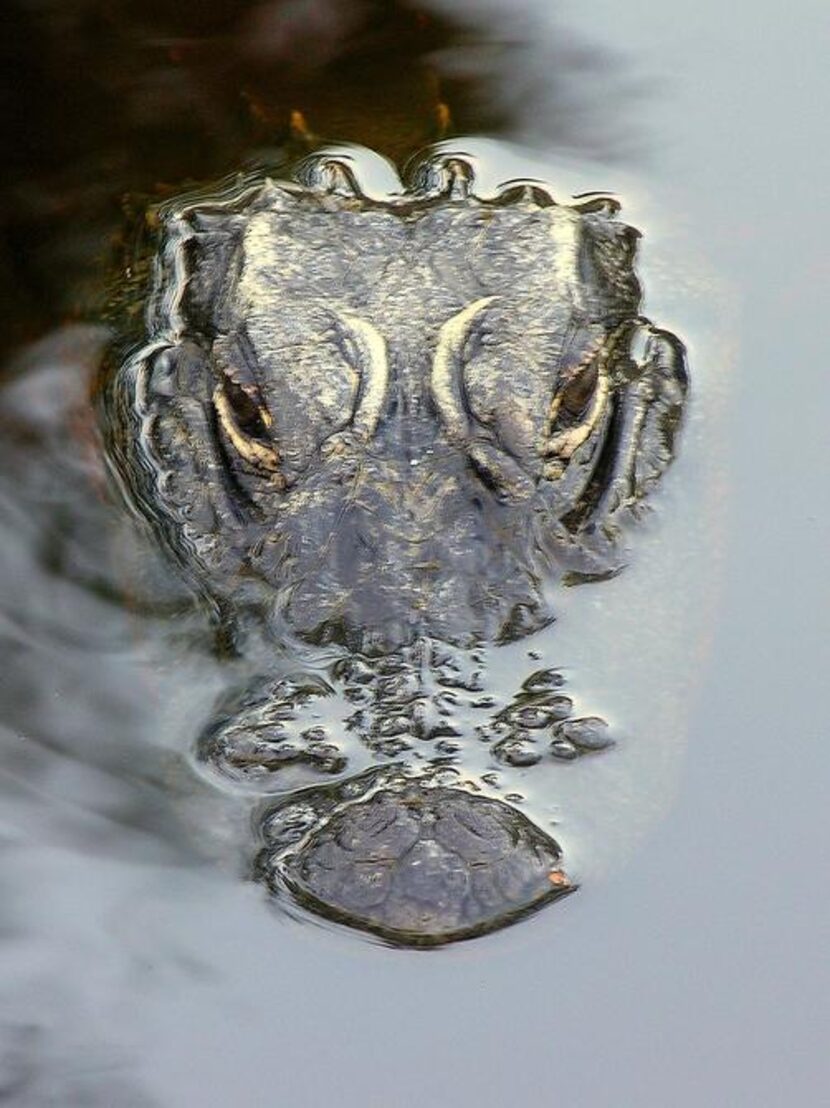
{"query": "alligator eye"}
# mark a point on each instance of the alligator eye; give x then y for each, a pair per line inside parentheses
(578, 412)
(574, 397)
(246, 422)
(251, 417)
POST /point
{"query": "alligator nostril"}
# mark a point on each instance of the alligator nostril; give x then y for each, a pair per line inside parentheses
(419, 864)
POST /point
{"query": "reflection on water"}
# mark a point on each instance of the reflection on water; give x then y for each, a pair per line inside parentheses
(109, 667)
(138, 967)
(101, 101)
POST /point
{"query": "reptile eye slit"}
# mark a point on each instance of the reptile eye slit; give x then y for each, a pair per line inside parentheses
(577, 394)
(252, 419)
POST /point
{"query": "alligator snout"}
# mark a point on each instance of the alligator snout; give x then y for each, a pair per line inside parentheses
(415, 863)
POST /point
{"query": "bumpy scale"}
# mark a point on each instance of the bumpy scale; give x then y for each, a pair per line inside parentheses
(383, 426)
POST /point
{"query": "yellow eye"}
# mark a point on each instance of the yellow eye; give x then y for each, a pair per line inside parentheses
(246, 423)
(574, 397)
(578, 413)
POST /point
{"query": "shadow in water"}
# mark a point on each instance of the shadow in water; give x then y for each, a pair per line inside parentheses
(137, 97)
(99, 104)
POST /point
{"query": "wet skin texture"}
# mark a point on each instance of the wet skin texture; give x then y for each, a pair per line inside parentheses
(386, 426)
(418, 865)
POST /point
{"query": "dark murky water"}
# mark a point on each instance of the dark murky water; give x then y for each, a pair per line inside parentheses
(138, 966)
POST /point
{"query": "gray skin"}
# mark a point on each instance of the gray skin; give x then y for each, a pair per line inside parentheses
(414, 862)
(387, 426)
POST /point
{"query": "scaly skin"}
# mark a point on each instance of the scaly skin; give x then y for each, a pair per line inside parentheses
(386, 427)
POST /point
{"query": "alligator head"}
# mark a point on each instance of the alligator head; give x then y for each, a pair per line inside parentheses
(387, 425)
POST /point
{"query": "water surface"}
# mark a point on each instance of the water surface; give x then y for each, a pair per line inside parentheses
(139, 966)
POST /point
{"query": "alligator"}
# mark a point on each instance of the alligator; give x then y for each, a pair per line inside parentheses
(384, 430)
